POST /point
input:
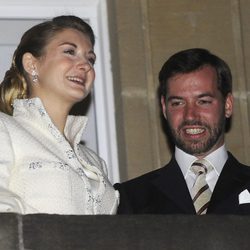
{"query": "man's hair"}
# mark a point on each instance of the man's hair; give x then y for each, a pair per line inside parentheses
(190, 60)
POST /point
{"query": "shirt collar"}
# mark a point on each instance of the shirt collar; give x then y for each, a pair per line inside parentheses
(217, 158)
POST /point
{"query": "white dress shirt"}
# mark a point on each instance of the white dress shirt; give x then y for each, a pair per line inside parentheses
(217, 159)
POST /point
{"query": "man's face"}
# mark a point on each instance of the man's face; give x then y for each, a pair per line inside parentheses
(196, 112)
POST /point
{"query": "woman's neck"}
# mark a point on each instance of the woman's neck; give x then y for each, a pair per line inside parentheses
(58, 113)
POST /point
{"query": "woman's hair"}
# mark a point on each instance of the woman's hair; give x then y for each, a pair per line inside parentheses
(34, 41)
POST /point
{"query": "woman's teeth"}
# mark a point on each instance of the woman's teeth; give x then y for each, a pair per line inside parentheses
(75, 79)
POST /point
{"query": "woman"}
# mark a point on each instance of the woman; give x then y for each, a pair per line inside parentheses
(43, 166)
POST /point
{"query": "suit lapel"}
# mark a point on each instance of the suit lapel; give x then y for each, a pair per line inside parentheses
(231, 181)
(173, 185)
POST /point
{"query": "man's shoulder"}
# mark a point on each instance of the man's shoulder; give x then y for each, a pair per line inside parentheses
(147, 176)
(145, 179)
(142, 194)
(233, 161)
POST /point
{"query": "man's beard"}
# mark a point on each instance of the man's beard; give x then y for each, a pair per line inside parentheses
(197, 146)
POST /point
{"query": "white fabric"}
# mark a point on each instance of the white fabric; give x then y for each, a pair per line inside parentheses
(217, 159)
(40, 172)
(244, 197)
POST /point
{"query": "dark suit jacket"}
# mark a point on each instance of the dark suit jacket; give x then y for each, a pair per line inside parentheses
(164, 191)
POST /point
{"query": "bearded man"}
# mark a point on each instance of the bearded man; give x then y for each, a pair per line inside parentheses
(202, 176)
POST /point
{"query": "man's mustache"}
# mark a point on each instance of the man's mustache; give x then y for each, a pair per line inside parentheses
(193, 123)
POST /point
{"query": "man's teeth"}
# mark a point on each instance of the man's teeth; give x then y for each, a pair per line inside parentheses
(194, 131)
(75, 79)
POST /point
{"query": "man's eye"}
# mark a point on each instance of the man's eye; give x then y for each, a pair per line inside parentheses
(176, 103)
(204, 102)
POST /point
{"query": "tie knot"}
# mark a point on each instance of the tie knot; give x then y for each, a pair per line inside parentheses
(201, 167)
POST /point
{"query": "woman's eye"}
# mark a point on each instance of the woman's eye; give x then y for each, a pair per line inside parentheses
(91, 61)
(69, 51)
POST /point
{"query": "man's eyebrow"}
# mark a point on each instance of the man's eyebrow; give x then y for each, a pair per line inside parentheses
(170, 98)
(208, 94)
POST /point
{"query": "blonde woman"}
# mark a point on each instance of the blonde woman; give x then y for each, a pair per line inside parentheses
(43, 166)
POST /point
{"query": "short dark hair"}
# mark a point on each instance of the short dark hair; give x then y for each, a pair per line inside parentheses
(190, 60)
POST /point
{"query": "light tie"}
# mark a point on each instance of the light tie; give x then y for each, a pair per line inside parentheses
(200, 191)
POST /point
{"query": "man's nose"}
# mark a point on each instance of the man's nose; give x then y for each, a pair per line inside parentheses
(190, 112)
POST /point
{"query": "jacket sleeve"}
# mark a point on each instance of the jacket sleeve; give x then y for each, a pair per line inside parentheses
(124, 204)
(9, 201)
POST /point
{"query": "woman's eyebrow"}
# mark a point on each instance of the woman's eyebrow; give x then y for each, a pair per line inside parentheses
(68, 43)
(75, 46)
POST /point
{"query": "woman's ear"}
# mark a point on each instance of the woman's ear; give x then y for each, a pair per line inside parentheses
(29, 62)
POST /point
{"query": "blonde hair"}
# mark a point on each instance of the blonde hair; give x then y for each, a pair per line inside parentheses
(16, 81)
(12, 87)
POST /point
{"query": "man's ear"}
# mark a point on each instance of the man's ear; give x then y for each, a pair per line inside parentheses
(163, 106)
(229, 105)
(29, 62)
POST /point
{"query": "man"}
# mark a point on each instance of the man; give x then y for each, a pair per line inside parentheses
(196, 99)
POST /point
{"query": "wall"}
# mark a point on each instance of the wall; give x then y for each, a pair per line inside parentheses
(144, 33)
(133, 232)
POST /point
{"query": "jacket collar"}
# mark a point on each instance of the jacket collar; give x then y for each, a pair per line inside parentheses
(233, 180)
(33, 110)
(173, 185)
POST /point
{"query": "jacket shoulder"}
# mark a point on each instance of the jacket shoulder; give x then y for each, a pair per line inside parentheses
(146, 178)
(5, 120)
(232, 161)
(141, 186)
(140, 195)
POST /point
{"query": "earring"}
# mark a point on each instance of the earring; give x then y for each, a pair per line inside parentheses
(34, 76)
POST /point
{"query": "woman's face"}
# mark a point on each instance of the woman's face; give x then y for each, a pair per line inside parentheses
(65, 72)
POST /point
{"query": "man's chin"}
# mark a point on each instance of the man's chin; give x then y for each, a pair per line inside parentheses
(195, 149)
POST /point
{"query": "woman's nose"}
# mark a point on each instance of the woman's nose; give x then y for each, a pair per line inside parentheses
(84, 64)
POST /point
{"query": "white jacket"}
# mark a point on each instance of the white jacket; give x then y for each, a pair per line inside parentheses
(42, 172)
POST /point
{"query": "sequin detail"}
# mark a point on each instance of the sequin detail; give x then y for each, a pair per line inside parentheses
(35, 165)
(70, 154)
(58, 165)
